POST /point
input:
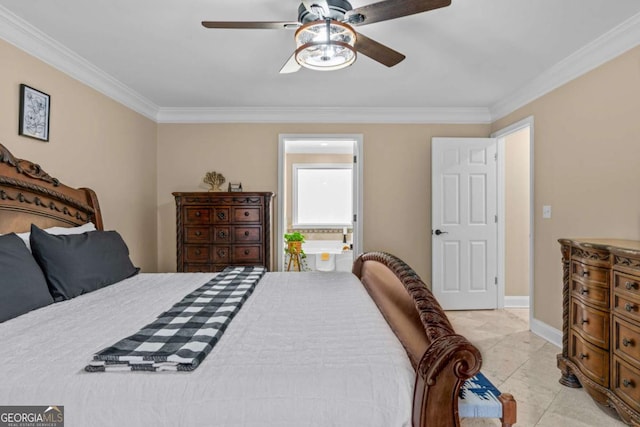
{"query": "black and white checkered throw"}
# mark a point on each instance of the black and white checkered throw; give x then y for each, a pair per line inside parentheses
(180, 338)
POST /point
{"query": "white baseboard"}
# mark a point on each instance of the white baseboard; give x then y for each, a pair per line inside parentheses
(553, 335)
(516, 302)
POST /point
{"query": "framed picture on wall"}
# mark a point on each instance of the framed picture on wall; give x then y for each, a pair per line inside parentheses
(34, 113)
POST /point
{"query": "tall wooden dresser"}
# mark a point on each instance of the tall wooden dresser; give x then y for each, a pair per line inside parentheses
(214, 230)
(601, 323)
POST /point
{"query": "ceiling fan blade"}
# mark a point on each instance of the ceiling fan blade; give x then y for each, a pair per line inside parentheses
(291, 66)
(391, 9)
(292, 25)
(377, 51)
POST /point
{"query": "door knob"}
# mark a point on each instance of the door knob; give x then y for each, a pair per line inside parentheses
(438, 232)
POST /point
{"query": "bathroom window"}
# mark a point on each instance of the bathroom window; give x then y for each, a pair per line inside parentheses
(322, 195)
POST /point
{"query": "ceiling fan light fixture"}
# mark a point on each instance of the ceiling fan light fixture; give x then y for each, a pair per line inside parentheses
(325, 45)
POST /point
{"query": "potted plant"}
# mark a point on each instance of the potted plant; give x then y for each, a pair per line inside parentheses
(294, 242)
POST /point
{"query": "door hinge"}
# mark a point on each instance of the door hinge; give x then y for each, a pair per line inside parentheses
(495, 156)
(355, 217)
(495, 281)
(495, 218)
(355, 159)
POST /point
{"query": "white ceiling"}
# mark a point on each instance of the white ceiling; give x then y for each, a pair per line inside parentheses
(471, 55)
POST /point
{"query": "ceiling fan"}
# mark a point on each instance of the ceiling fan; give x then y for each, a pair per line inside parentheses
(325, 37)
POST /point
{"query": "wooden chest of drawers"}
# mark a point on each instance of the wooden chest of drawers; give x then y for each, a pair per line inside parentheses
(601, 323)
(215, 230)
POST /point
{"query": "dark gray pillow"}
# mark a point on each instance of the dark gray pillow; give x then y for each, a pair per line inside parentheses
(81, 263)
(22, 284)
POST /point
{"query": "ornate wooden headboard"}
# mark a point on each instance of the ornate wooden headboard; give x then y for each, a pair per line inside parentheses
(29, 195)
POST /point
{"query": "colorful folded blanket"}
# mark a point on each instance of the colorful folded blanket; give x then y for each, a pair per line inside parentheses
(478, 398)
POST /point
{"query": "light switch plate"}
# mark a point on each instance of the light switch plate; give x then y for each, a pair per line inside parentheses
(546, 211)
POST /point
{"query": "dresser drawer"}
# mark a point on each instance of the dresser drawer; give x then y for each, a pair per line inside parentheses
(197, 215)
(593, 361)
(594, 275)
(590, 254)
(220, 254)
(222, 234)
(626, 340)
(247, 234)
(221, 215)
(247, 214)
(196, 253)
(247, 253)
(197, 235)
(590, 293)
(626, 306)
(626, 382)
(592, 324)
(626, 284)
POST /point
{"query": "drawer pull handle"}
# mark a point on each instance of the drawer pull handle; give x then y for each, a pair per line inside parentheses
(222, 253)
(583, 356)
(627, 383)
(198, 233)
(247, 251)
(584, 291)
(198, 213)
(198, 252)
(629, 307)
(630, 285)
(221, 215)
(585, 321)
(222, 234)
(627, 342)
(246, 213)
(585, 273)
(246, 233)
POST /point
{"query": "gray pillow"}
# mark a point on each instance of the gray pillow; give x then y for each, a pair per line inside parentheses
(80, 263)
(22, 284)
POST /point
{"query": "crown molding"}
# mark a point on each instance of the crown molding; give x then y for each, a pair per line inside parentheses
(323, 115)
(606, 47)
(28, 38)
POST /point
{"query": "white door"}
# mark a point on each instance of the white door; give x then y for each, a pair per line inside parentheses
(463, 222)
(356, 228)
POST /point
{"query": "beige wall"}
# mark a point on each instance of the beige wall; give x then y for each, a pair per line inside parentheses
(585, 164)
(586, 151)
(94, 142)
(397, 176)
(517, 213)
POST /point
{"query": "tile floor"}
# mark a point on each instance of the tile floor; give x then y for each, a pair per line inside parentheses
(523, 364)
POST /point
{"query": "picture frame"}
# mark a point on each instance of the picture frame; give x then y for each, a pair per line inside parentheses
(35, 108)
(235, 187)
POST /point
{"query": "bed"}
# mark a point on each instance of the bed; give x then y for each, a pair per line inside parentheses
(372, 347)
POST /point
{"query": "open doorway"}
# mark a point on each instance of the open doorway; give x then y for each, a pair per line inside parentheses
(515, 213)
(320, 196)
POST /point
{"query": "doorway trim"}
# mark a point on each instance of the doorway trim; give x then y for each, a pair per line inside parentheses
(501, 134)
(357, 187)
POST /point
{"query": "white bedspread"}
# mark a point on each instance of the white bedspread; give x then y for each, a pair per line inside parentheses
(307, 349)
